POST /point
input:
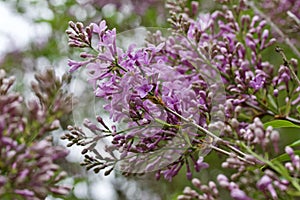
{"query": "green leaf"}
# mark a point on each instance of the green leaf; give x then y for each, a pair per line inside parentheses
(298, 108)
(281, 158)
(272, 101)
(294, 193)
(280, 124)
(295, 144)
(285, 157)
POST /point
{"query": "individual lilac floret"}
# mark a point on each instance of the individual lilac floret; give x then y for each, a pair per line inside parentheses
(144, 90)
(200, 164)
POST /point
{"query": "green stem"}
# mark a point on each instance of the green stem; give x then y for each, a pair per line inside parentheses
(291, 119)
(230, 154)
(216, 138)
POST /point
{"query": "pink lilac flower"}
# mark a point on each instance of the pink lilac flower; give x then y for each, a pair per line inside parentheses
(28, 168)
(269, 182)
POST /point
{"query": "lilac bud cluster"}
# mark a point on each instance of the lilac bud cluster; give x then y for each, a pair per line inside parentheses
(97, 162)
(286, 15)
(269, 182)
(256, 134)
(294, 165)
(54, 101)
(239, 67)
(30, 172)
(79, 36)
(235, 192)
(27, 166)
(208, 192)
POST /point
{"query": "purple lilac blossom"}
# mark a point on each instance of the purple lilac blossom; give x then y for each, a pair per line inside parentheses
(134, 82)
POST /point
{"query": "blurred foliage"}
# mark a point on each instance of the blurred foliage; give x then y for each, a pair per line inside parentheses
(60, 13)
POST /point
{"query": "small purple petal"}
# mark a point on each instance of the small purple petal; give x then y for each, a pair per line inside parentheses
(144, 90)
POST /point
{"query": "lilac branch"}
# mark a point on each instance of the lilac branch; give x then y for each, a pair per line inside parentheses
(230, 154)
(274, 167)
(291, 119)
(216, 138)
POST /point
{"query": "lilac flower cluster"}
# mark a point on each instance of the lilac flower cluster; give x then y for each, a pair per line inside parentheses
(267, 184)
(28, 168)
(209, 192)
(255, 134)
(136, 88)
(165, 96)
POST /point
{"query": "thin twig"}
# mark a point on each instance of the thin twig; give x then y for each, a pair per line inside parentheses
(230, 154)
(272, 114)
(216, 138)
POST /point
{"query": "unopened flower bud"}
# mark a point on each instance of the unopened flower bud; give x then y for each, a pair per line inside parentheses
(275, 92)
(196, 182)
